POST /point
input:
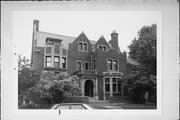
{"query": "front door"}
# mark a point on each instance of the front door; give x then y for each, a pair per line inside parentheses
(89, 88)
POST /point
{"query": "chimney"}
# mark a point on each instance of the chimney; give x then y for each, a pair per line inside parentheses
(36, 25)
(114, 40)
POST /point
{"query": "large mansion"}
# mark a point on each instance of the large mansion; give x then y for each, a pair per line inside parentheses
(100, 65)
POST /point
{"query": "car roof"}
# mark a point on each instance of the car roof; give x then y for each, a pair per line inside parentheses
(69, 103)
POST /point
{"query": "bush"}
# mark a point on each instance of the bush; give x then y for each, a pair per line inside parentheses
(139, 90)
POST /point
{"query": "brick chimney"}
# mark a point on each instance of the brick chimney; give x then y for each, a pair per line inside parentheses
(36, 25)
(114, 40)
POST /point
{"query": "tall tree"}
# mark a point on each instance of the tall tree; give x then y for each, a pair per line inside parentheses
(143, 48)
(23, 63)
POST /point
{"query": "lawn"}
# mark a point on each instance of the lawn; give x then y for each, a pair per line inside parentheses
(138, 106)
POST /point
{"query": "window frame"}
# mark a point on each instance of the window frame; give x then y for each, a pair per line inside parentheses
(107, 83)
(57, 62)
(48, 61)
(84, 47)
(101, 47)
(94, 64)
(65, 63)
(112, 65)
(85, 65)
(77, 65)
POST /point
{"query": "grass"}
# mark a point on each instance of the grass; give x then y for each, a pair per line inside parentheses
(138, 106)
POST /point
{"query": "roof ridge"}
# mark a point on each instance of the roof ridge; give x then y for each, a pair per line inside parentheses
(56, 34)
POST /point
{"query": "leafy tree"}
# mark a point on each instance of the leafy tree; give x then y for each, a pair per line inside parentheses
(51, 88)
(138, 85)
(143, 48)
(23, 63)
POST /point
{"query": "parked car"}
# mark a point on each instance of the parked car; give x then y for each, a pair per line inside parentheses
(72, 106)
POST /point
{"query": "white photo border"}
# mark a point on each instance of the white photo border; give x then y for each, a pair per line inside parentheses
(10, 95)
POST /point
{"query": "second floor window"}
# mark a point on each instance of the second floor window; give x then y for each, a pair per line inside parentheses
(109, 64)
(56, 62)
(115, 65)
(112, 65)
(82, 46)
(48, 61)
(78, 65)
(63, 62)
(86, 66)
(94, 64)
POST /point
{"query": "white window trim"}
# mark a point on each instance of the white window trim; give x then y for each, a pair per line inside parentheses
(59, 61)
(45, 61)
(82, 46)
(112, 65)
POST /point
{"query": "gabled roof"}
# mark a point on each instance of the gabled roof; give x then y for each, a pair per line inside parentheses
(102, 41)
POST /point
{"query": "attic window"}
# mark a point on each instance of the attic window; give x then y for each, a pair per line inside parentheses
(82, 46)
(102, 47)
(52, 41)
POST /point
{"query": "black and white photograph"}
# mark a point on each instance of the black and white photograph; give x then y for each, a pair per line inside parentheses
(86, 60)
(106, 60)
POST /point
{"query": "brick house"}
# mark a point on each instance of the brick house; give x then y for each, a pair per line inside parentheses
(100, 65)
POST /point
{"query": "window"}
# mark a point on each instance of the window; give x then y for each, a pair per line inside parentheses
(83, 46)
(86, 66)
(109, 64)
(63, 62)
(77, 107)
(94, 64)
(107, 84)
(56, 61)
(48, 61)
(115, 65)
(78, 65)
(80, 46)
(102, 47)
(112, 65)
(64, 52)
(50, 42)
(56, 43)
(62, 107)
(119, 84)
(114, 84)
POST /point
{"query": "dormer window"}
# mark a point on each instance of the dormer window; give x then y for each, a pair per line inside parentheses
(82, 46)
(102, 47)
(52, 41)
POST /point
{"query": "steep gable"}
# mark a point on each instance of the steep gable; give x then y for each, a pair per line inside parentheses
(101, 41)
(83, 38)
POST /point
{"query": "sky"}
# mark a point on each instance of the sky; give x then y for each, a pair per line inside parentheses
(72, 23)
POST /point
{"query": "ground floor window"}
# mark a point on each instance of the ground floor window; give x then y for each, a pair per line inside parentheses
(113, 85)
(107, 84)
